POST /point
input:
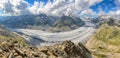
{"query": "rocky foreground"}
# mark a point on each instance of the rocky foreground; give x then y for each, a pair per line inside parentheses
(67, 49)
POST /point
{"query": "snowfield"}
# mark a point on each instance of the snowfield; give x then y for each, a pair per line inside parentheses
(38, 37)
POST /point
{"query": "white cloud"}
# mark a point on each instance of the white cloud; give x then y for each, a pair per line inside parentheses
(115, 13)
(66, 7)
(57, 7)
(117, 3)
(88, 13)
(101, 11)
(34, 9)
(14, 7)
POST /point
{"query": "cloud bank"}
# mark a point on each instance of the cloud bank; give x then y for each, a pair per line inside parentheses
(55, 7)
(14, 7)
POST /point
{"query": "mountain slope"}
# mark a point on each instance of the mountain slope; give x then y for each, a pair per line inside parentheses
(106, 42)
(27, 21)
(66, 23)
(8, 36)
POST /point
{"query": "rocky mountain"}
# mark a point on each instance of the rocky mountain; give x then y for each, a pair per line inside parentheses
(43, 22)
(107, 19)
(14, 46)
(66, 23)
(105, 43)
(28, 21)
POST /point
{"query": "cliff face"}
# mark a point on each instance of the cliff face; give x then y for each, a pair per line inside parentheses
(67, 49)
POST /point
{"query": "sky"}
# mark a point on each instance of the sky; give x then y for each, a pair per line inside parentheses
(59, 7)
(106, 5)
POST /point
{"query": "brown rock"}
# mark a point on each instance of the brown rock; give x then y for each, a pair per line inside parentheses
(1, 51)
(19, 56)
(43, 55)
(11, 55)
(19, 51)
(67, 49)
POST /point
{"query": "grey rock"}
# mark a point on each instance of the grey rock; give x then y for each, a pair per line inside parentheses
(11, 55)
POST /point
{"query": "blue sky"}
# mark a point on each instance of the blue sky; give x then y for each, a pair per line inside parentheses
(32, 1)
(105, 5)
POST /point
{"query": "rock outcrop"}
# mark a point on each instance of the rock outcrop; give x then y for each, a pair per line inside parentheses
(67, 49)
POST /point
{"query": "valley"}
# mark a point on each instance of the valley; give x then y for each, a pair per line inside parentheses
(60, 29)
(81, 34)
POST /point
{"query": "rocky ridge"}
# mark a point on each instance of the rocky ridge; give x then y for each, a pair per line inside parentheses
(67, 49)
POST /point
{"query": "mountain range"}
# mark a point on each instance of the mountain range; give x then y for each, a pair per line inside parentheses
(43, 22)
(103, 44)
